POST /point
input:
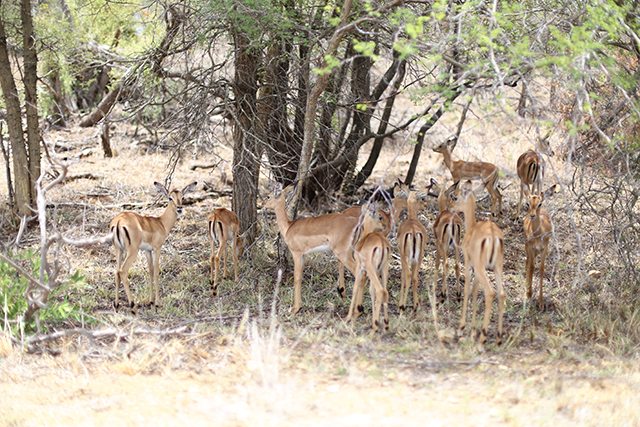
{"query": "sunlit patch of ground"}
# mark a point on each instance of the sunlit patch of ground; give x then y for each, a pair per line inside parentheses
(229, 388)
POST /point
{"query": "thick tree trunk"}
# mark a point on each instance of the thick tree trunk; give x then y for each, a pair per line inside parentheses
(16, 132)
(246, 148)
(30, 95)
(360, 84)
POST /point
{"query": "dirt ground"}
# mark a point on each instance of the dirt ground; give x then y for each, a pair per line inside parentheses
(320, 371)
(527, 389)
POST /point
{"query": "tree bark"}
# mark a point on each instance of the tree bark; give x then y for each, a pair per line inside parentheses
(31, 95)
(16, 132)
(246, 149)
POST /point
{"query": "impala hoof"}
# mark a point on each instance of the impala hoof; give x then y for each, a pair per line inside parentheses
(360, 309)
(340, 292)
(116, 305)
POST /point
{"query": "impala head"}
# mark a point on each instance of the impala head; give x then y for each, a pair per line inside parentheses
(400, 189)
(461, 196)
(373, 219)
(447, 145)
(544, 146)
(535, 202)
(175, 196)
(278, 194)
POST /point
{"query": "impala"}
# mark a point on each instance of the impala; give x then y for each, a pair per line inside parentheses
(447, 230)
(461, 170)
(371, 254)
(333, 232)
(530, 168)
(537, 230)
(412, 238)
(483, 248)
(133, 232)
(356, 212)
(224, 229)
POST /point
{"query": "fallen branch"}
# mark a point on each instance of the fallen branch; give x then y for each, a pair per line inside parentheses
(105, 333)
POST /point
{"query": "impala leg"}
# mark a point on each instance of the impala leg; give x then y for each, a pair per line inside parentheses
(415, 272)
(502, 297)
(540, 297)
(298, 266)
(357, 284)
(341, 287)
(465, 297)
(445, 274)
(531, 258)
(376, 286)
(130, 257)
(456, 251)
(489, 294)
(235, 259)
(360, 295)
(435, 271)
(149, 256)
(385, 301)
(119, 261)
(474, 302)
(212, 268)
(156, 274)
(216, 260)
(404, 287)
(223, 245)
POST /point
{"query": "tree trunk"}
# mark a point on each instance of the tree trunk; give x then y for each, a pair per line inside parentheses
(30, 95)
(105, 138)
(367, 169)
(417, 150)
(16, 132)
(311, 109)
(246, 152)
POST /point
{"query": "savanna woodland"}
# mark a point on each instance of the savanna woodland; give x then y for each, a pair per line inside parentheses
(185, 183)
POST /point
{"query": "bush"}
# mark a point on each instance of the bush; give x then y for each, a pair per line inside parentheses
(13, 286)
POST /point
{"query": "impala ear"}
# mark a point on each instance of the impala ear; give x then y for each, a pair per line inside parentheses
(161, 189)
(189, 187)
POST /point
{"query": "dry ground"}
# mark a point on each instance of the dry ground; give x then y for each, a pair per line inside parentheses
(230, 365)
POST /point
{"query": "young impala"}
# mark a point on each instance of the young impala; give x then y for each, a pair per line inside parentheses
(333, 232)
(447, 230)
(483, 248)
(223, 230)
(537, 230)
(371, 252)
(132, 232)
(461, 170)
(412, 239)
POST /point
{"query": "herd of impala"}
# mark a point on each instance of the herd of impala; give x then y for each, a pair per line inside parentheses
(358, 237)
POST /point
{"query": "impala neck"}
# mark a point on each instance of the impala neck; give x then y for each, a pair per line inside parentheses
(442, 201)
(412, 209)
(469, 210)
(282, 217)
(447, 158)
(169, 216)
